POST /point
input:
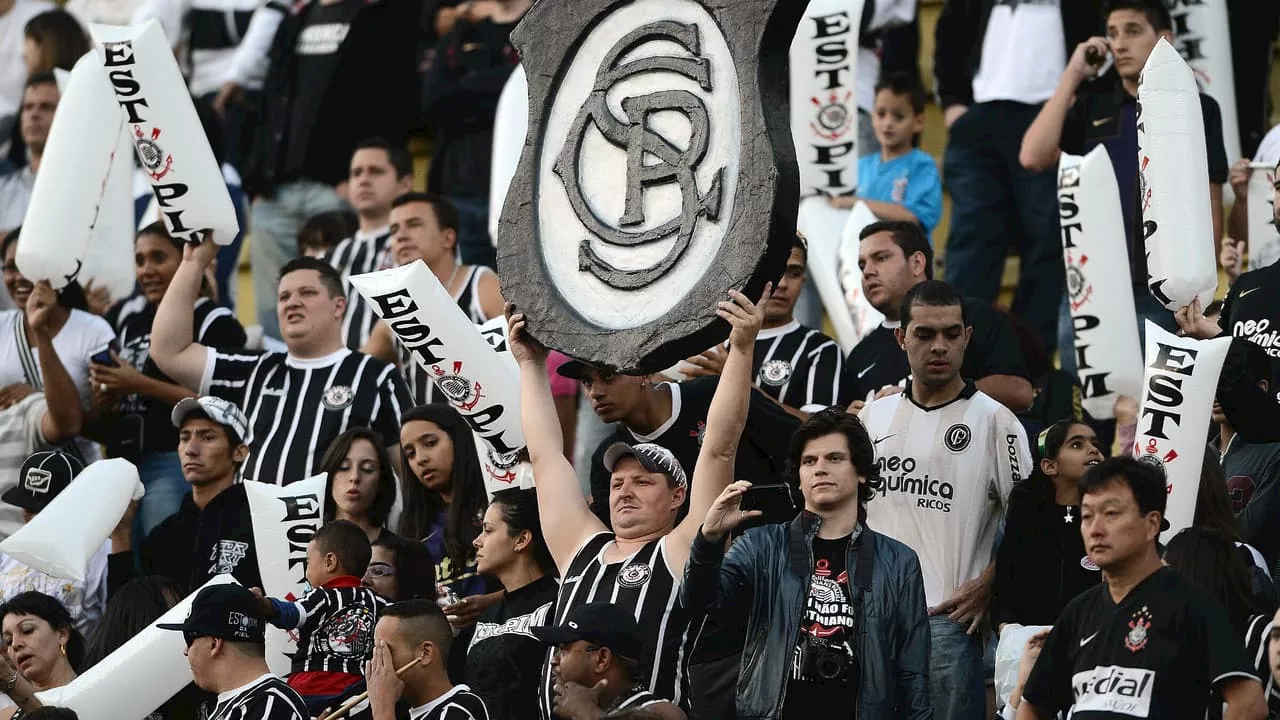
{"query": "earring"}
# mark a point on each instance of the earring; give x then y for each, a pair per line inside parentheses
(64, 650)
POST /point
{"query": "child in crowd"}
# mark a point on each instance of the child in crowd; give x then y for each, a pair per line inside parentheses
(335, 619)
(900, 182)
(321, 232)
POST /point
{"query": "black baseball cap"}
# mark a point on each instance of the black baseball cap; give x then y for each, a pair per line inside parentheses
(229, 612)
(654, 458)
(42, 477)
(599, 623)
(574, 369)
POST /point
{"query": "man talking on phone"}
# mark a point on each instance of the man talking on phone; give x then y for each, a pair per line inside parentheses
(809, 609)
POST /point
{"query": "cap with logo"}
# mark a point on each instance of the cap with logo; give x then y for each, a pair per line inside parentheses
(654, 458)
(42, 477)
(599, 623)
(216, 409)
(229, 612)
(574, 369)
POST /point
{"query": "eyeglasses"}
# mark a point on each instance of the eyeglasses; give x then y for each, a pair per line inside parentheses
(380, 570)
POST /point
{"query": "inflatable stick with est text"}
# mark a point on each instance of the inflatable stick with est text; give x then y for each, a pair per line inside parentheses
(824, 102)
(167, 134)
(1203, 38)
(1177, 220)
(865, 317)
(477, 381)
(509, 125)
(1103, 319)
(284, 520)
(64, 537)
(139, 677)
(1177, 396)
(1264, 237)
(822, 226)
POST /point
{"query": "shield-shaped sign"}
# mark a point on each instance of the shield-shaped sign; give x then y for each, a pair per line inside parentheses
(658, 172)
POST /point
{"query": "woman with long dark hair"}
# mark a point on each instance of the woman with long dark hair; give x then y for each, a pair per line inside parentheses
(400, 569)
(53, 39)
(41, 645)
(1213, 512)
(361, 484)
(1042, 563)
(443, 508)
(504, 664)
(135, 396)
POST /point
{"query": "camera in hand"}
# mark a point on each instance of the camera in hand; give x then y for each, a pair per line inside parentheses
(826, 662)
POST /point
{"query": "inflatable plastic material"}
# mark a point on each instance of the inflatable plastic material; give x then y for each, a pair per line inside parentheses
(824, 103)
(1179, 385)
(62, 539)
(70, 194)
(822, 227)
(167, 134)
(109, 260)
(1264, 237)
(1173, 164)
(284, 519)
(509, 126)
(1203, 38)
(1009, 652)
(1103, 318)
(474, 379)
(865, 317)
(139, 677)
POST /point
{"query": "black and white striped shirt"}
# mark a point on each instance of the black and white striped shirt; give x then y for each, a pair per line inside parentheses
(297, 407)
(637, 699)
(644, 583)
(421, 389)
(799, 367)
(359, 254)
(267, 698)
(335, 629)
(457, 704)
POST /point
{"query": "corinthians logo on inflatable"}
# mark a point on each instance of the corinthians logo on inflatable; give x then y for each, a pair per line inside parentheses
(657, 173)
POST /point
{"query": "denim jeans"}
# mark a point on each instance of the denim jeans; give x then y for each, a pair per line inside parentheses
(275, 222)
(955, 671)
(161, 474)
(996, 204)
(474, 244)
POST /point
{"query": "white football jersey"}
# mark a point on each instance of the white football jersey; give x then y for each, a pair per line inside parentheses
(946, 476)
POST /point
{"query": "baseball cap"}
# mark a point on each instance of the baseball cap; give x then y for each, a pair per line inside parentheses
(229, 612)
(217, 409)
(42, 477)
(654, 458)
(599, 623)
(574, 369)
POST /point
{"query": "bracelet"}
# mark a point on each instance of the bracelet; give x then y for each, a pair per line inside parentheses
(11, 683)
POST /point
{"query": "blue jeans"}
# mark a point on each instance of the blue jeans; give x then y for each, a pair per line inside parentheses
(996, 204)
(161, 474)
(955, 671)
(474, 244)
(275, 222)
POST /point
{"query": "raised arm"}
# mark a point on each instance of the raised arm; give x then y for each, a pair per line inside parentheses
(567, 521)
(726, 418)
(171, 345)
(64, 417)
(1042, 141)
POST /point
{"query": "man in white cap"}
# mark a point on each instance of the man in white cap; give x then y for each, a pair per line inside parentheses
(211, 534)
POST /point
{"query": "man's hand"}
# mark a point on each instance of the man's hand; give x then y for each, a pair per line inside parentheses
(524, 348)
(265, 605)
(464, 613)
(1238, 176)
(746, 318)
(203, 254)
(969, 603)
(726, 513)
(1232, 256)
(229, 94)
(953, 113)
(14, 394)
(384, 685)
(889, 390)
(572, 701)
(1088, 58)
(708, 363)
(40, 305)
(1193, 323)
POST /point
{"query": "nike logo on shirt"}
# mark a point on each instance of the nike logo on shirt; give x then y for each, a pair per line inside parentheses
(867, 369)
(1088, 639)
(1103, 121)
(1242, 294)
(880, 440)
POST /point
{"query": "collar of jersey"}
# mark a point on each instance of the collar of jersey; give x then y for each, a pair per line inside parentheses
(343, 581)
(232, 694)
(968, 391)
(775, 332)
(313, 363)
(423, 710)
(891, 324)
(675, 414)
(374, 235)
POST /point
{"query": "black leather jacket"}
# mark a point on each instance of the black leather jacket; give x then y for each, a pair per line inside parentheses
(770, 567)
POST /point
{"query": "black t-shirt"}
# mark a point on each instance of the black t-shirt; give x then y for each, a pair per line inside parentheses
(1252, 311)
(1105, 114)
(213, 326)
(505, 663)
(822, 662)
(1156, 654)
(878, 361)
(324, 27)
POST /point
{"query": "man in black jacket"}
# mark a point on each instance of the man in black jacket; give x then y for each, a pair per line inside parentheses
(212, 532)
(996, 62)
(341, 71)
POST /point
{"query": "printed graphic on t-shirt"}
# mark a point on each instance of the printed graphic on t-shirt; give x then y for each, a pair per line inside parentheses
(1240, 490)
(348, 633)
(1114, 689)
(900, 477)
(322, 39)
(1258, 332)
(227, 554)
(827, 610)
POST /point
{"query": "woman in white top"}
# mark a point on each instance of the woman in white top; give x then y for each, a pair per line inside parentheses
(77, 337)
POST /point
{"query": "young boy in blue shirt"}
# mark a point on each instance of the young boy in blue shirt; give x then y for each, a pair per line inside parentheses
(900, 182)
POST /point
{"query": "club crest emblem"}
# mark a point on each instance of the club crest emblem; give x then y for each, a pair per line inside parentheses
(338, 397)
(1139, 628)
(775, 373)
(1088, 564)
(154, 158)
(634, 575)
(957, 437)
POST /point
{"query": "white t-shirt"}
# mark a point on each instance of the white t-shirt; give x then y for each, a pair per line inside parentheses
(84, 600)
(947, 473)
(1269, 148)
(13, 72)
(1023, 52)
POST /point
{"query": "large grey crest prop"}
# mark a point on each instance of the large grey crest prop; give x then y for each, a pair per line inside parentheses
(658, 172)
